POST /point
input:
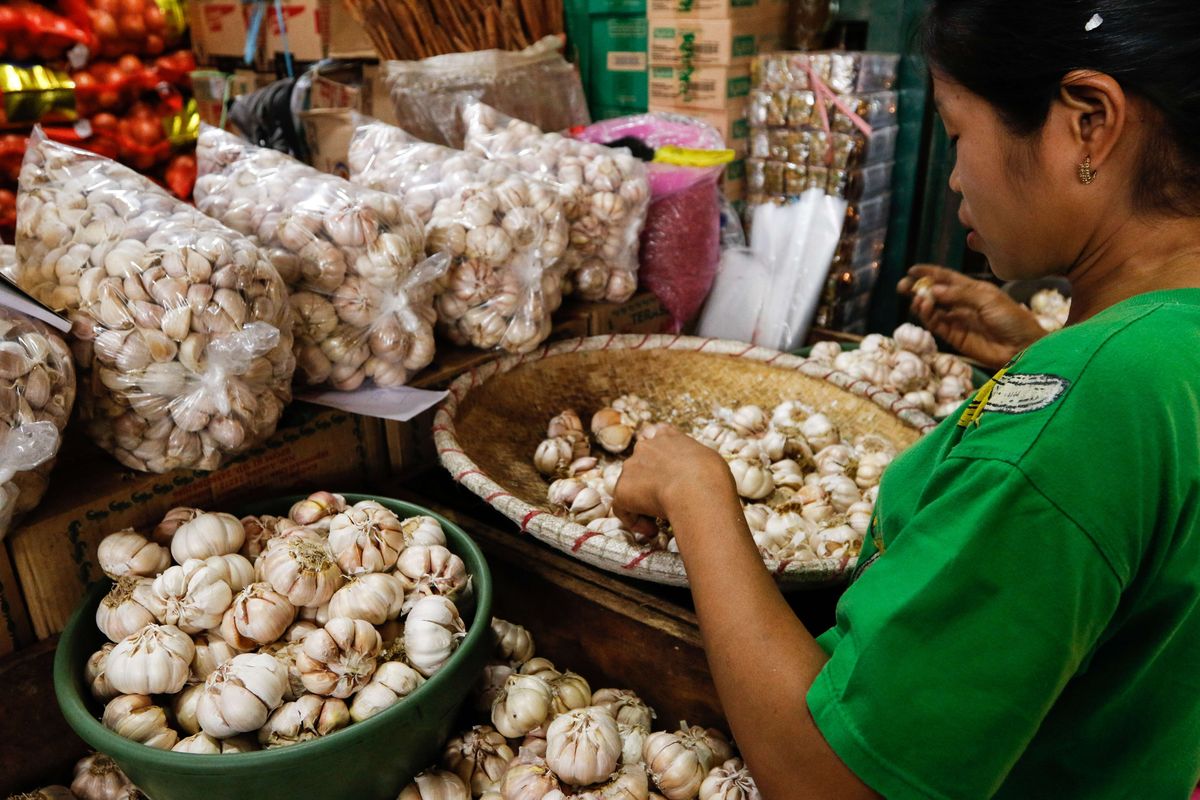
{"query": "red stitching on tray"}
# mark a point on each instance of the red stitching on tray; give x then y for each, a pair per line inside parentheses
(749, 347)
(704, 344)
(773, 358)
(496, 495)
(579, 542)
(645, 341)
(783, 565)
(441, 429)
(451, 450)
(529, 518)
(612, 337)
(465, 473)
(638, 559)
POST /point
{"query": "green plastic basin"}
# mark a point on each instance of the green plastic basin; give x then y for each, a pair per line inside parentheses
(371, 759)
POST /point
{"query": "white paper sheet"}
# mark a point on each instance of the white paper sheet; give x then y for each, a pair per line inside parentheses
(12, 297)
(401, 403)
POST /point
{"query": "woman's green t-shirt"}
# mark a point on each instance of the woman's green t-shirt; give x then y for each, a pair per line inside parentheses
(1024, 621)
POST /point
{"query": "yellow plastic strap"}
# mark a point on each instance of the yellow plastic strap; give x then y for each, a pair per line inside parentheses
(184, 127)
(31, 93)
(688, 157)
(176, 17)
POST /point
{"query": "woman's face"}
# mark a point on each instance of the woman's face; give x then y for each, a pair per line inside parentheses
(1014, 207)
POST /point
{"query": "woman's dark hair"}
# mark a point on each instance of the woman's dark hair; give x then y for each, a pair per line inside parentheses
(1015, 53)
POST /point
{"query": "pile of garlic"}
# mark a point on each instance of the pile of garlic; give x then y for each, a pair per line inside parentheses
(269, 631)
(361, 291)
(182, 334)
(505, 231)
(1051, 307)
(907, 363)
(808, 494)
(552, 738)
(605, 193)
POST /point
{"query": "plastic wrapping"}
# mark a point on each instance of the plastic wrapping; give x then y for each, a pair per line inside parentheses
(181, 329)
(681, 240)
(535, 84)
(605, 194)
(37, 392)
(505, 231)
(353, 258)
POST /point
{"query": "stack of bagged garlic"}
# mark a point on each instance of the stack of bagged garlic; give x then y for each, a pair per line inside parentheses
(505, 231)
(550, 736)
(181, 335)
(605, 192)
(353, 258)
(344, 611)
(808, 494)
(907, 363)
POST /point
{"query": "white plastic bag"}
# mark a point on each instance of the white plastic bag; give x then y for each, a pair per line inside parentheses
(353, 258)
(181, 331)
(505, 231)
(605, 194)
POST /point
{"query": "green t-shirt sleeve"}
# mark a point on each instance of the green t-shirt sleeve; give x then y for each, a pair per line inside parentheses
(955, 642)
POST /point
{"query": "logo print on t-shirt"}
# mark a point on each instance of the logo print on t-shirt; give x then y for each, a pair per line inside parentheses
(1022, 394)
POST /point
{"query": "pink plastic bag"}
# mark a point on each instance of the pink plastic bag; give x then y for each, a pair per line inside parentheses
(680, 246)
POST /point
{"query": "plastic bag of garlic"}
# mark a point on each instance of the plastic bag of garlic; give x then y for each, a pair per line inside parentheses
(37, 392)
(180, 329)
(353, 258)
(605, 192)
(505, 231)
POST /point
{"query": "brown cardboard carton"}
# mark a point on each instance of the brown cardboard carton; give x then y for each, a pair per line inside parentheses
(716, 9)
(714, 42)
(710, 88)
(731, 122)
(307, 23)
(219, 28)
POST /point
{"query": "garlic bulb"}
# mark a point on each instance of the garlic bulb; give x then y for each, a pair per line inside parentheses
(232, 568)
(308, 717)
(97, 777)
(257, 616)
(165, 530)
(317, 510)
(479, 757)
(524, 704)
(676, 764)
(211, 652)
(299, 629)
(730, 781)
(366, 539)
(491, 685)
(432, 632)
(46, 793)
(819, 432)
(372, 596)
(96, 677)
(541, 667)
(843, 492)
(633, 743)
(122, 611)
(754, 481)
(431, 570)
(391, 683)
(300, 566)
(422, 530)
(192, 597)
(200, 743)
(513, 642)
(528, 778)
(286, 653)
(553, 456)
(628, 783)
(339, 659)
(625, 706)
(183, 708)
(708, 740)
(155, 660)
(570, 691)
(435, 784)
(135, 717)
(209, 534)
(611, 430)
(915, 339)
(240, 694)
(128, 553)
(583, 746)
(260, 530)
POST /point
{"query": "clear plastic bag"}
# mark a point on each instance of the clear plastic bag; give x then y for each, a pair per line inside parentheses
(605, 194)
(506, 233)
(536, 84)
(181, 331)
(8, 261)
(354, 259)
(37, 392)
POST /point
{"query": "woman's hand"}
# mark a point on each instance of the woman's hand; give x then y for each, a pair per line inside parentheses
(667, 471)
(975, 317)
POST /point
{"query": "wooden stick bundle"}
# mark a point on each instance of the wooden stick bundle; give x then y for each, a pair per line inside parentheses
(409, 30)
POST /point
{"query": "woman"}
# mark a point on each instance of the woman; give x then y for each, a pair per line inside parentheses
(1024, 620)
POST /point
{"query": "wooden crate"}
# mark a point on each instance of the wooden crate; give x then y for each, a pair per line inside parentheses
(15, 630)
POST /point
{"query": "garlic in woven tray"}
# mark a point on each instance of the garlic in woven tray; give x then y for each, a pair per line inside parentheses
(605, 194)
(177, 319)
(257, 616)
(583, 746)
(339, 659)
(431, 570)
(155, 660)
(192, 596)
(553, 456)
(513, 642)
(135, 717)
(613, 430)
(391, 683)
(97, 679)
(432, 632)
(208, 534)
(625, 706)
(366, 539)
(375, 597)
(752, 478)
(240, 694)
(97, 777)
(435, 784)
(128, 553)
(125, 610)
(307, 717)
(524, 703)
(479, 757)
(528, 778)
(362, 295)
(300, 566)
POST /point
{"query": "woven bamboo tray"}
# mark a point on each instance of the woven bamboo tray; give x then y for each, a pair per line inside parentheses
(488, 428)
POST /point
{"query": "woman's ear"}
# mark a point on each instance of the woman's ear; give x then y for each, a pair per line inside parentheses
(1096, 109)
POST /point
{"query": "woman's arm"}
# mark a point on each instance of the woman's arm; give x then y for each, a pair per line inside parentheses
(762, 659)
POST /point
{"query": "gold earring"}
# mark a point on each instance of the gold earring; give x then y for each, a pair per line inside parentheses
(1086, 175)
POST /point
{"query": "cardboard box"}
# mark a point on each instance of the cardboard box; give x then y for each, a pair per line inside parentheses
(716, 9)
(733, 181)
(15, 630)
(347, 39)
(307, 29)
(617, 74)
(731, 122)
(376, 100)
(713, 88)
(91, 495)
(714, 42)
(642, 313)
(219, 28)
